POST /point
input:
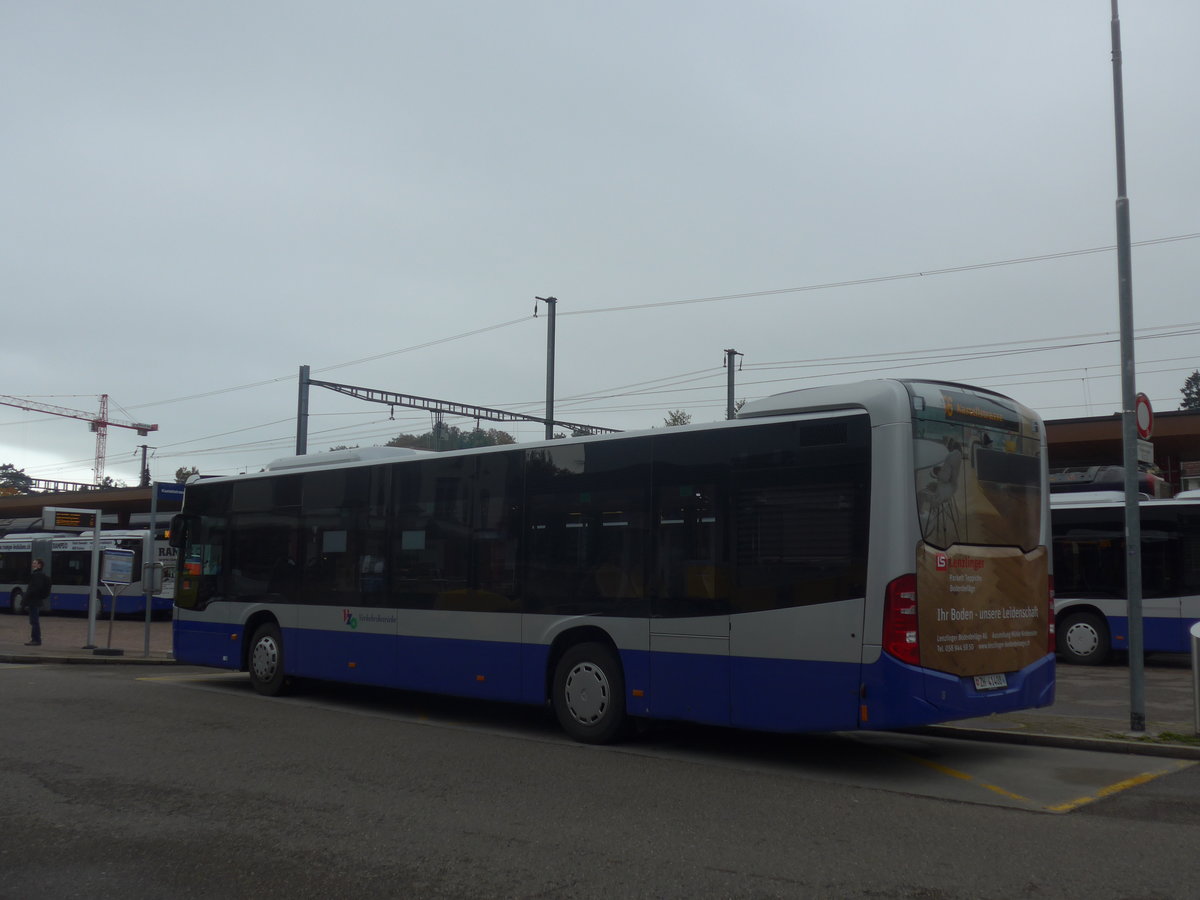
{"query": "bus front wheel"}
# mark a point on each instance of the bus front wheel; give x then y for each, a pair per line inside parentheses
(1083, 638)
(589, 693)
(266, 660)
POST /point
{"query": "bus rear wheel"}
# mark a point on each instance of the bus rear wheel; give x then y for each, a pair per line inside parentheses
(589, 694)
(266, 660)
(1083, 639)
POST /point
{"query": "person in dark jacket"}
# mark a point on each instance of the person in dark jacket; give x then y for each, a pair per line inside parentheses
(35, 594)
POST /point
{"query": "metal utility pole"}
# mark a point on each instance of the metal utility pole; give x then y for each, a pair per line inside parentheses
(1133, 522)
(729, 403)
(550, 302)
(439, 430)
(302, 413)
(145, 477)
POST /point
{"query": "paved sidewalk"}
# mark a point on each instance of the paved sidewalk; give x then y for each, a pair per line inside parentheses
(64, 637)
(1091, 708)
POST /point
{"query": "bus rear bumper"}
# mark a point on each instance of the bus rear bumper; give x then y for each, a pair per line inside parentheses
(897, 695)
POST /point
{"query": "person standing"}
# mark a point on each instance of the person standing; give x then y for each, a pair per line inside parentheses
(37, 591)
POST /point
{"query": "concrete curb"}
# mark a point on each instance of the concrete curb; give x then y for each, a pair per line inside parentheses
(1132, 746)
(83, 658)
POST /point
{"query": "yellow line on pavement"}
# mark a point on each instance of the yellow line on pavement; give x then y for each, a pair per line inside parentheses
(963, 776)
(1119, 786)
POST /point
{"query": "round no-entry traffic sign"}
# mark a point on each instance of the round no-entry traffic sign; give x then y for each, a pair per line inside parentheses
(1145, 416)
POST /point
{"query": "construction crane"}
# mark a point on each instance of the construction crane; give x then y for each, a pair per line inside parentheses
(98, 422)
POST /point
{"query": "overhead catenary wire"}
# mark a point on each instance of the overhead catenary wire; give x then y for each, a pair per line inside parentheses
(631, 390)
(745, 295)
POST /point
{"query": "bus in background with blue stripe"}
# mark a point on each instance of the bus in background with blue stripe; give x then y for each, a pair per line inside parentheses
(1091, 596)
(869, 556)
(68, 563)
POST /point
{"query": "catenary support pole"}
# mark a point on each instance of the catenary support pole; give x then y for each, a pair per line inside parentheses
(551, 303)
(302, 414)
(730, 355)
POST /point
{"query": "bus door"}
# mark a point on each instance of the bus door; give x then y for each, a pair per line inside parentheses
(689, 615)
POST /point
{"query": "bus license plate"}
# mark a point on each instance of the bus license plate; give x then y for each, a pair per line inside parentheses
(991, 682)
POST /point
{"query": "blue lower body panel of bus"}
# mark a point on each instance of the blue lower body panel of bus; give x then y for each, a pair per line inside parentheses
(1160, 634)
(762, 694)
(897, 695)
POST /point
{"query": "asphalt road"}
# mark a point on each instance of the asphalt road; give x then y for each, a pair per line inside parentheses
(154, 782)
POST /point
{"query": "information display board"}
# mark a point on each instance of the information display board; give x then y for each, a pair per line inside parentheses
(116, 566)
(57, 518)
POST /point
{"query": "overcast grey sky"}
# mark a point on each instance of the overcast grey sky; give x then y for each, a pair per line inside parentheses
(199, 198)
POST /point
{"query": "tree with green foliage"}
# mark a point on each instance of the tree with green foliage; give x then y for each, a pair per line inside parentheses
(1191, 391)
(451, 437)
(677, 417)
(14, 480)
(183, 473)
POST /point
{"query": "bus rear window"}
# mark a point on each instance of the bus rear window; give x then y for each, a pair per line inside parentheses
(977, 468)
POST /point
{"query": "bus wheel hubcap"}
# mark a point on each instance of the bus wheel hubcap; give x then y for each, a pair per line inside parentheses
(587, 693)
(1082, 639)
(266, 659)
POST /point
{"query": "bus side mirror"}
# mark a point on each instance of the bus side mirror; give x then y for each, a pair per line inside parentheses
(179, 529)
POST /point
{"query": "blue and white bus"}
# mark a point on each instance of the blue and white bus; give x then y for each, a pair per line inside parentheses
(68, 563)
(871, 556)
(1091, 606)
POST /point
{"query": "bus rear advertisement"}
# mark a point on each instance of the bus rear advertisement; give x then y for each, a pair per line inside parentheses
(865, 556)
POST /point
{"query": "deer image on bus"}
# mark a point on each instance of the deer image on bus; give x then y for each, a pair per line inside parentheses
(865, 556)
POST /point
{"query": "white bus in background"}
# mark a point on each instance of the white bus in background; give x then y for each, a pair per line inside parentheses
(69, 565)
(1091, 607)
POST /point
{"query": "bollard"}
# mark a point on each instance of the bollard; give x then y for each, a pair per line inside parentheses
(1195, 632)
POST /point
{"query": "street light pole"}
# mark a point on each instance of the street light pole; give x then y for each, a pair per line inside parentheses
(1133, 521)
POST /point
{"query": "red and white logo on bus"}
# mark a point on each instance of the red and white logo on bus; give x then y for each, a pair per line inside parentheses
(941, 561)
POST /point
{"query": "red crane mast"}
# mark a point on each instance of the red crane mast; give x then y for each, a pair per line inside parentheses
(98, 422)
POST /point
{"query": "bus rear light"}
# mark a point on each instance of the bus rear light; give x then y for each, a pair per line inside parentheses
(900, 620)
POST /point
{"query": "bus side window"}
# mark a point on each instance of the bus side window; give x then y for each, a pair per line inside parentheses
(1160, 555)
(1189, 552)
